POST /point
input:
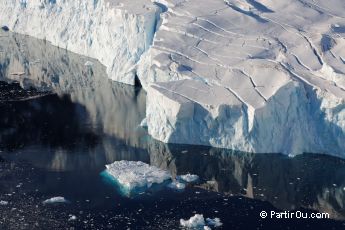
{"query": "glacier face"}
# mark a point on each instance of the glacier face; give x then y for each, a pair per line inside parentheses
(256, 76)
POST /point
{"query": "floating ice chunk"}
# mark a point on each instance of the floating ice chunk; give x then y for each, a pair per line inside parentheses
(72, 218)
(3, 203)
(189, 178)
(177, 185)
(136, 176)
(196, 222)
(214, 222)
(58, 199)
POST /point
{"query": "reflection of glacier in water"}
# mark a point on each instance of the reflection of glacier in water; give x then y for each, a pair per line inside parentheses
(91, 122)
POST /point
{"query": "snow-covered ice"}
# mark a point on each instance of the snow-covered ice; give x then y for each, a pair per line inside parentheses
(256, 76)
(134, 176)
(54, 200)
(265, 77)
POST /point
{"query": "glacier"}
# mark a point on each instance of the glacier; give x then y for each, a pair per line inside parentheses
(257, 76)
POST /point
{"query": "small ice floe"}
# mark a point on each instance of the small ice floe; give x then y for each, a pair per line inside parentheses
(189, 178)
(177, 185)
(88, 63)
(214, 222)
(198, 222)
(195, 222)
(54, 200)
(135, 176)
(184, 151)
(143, 123)
(72, 217)
(3, 202)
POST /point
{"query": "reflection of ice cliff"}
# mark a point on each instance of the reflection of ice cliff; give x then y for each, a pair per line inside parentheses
(33, 62)
(307, 181)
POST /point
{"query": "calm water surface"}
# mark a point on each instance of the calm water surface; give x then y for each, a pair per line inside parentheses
(62, 121)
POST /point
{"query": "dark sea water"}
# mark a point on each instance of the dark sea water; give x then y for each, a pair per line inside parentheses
(62, 121)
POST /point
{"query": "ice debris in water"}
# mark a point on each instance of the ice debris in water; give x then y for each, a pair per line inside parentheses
(214, 222)
(136, 175)
(2, 202)
(198, 222)
(58, 199)
(189, 178)
(72, 217)
(177, 185)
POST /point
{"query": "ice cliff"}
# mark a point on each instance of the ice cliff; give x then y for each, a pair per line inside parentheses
(251, 75)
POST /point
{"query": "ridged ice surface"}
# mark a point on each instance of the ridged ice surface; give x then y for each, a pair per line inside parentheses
(251, 75)
(261, 76)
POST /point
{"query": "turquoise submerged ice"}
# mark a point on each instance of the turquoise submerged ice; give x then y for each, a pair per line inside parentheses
(136, 176)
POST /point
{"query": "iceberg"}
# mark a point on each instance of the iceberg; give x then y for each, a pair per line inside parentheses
(264, 77)
(134, 177)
